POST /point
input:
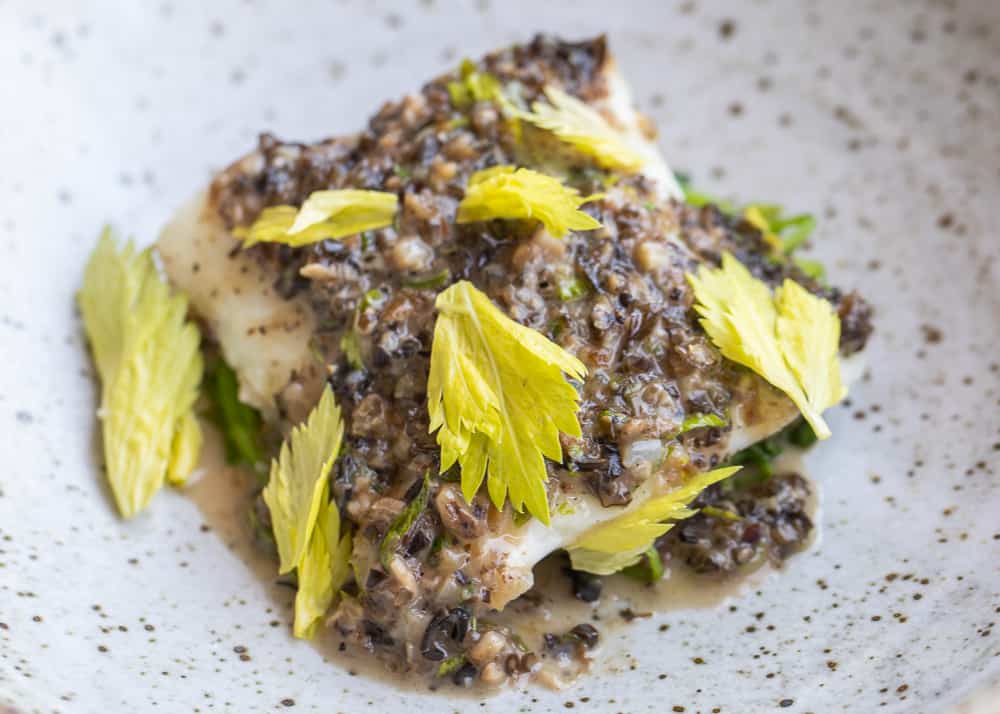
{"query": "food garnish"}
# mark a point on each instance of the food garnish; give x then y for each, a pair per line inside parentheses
(621, 542)
(783, 234)
(583, 128)
(397, 543)
(518, 193)
(572, 288)
(185, 450)
(305, 522)
(498, 399)
(238, 423)
(404, 521)
(649, 567)
(324, 215)
(350, 345)
(473, 86)
(298, 481)
(809, 334)
(324, 568)
(147, 357)
(790, 339)
(698, 421)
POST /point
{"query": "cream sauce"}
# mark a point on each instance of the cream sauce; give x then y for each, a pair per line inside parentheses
(223, 494)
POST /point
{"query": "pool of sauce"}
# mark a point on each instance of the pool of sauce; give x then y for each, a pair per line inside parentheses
(223, 493)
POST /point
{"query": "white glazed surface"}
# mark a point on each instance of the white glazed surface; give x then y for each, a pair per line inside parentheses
(880, 117)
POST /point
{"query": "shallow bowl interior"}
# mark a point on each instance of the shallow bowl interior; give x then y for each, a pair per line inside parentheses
(879, 117)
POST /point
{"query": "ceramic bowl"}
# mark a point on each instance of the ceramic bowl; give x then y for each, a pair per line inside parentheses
(878, 117)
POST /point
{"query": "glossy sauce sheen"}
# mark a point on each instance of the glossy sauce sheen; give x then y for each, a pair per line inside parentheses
(223, 495)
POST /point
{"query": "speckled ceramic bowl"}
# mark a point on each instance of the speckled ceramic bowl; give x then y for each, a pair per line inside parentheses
(881, 117)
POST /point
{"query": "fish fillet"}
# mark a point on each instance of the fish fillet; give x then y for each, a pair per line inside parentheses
(281, 337)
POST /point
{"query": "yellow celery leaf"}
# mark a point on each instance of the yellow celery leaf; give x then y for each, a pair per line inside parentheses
(512, 193)
(740, 316)
(350, 210)
(498, 399)
(325, 214)
(756, 217)
(185, 450)
(594, 561)
(146, 353)
(111, 282)
(271, 226)
(299, 477)
(809, 334)
(581, 126)
(323, 570)
(474, 86)
(618, 543)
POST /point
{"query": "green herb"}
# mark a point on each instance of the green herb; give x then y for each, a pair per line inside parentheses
(697, 421)
(757, 462)
(768, 449)
(350, 341)
(754, 475)
(473, 86)
(521, 517)
(239, 423)
(722, 513)
(441, 541)
(404, 521)
(450, 665)
(350, 345)
(573, 288)
(647, 570)
(401, 171)
(613, 417)
(801, 434)
(372, 298)
(655, 564)
(785, 234)
(758, 459)
(430, 281)
(698, 199)
(801, 227)
(813, 268)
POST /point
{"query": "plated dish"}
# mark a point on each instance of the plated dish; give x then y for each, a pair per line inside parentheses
(878, 121)
(491, 329)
